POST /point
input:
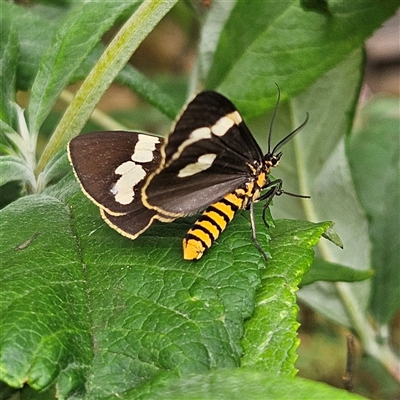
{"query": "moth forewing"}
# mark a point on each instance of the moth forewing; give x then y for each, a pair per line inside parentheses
(206, 156)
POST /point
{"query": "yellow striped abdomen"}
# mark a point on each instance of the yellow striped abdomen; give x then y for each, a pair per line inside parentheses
(210, 225)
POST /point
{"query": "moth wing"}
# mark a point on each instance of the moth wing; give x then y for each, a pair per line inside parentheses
(133, 223)
(208, 155)
(112, 167)
(211, 109)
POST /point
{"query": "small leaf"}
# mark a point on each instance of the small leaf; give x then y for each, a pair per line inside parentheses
(333, 237)
(322, 270)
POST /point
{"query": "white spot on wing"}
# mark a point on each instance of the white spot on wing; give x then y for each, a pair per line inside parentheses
(222, 126)
(203, 162)
(144, 148)
(235, 117)
(199, 134)
(131, 174)
(195, 136)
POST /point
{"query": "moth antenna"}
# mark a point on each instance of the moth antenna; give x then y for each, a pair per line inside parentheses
(273, 118)
(291, 134)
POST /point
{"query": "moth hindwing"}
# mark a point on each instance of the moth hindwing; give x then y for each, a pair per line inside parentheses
(112, 168)
(209, 162)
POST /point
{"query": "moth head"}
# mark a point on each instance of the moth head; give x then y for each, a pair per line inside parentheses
(272, 160)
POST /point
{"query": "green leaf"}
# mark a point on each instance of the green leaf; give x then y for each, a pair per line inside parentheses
(10, 140)
(279, 41)
(14, 169)
(322, 270)
(210, 35)
(332, 236)
(8, 61)
(374, 154)
(241, 384)
(270, 337)
(84, 24)
(144, 307)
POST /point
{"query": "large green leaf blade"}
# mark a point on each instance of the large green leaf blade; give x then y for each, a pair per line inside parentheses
(270, 41)
(374, 154)
(160, 312)
(144, 308)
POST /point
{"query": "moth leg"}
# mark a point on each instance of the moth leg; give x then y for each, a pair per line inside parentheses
(254, 233)
(275, 189)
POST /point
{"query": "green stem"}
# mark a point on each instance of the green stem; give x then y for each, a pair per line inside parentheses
(103, 73)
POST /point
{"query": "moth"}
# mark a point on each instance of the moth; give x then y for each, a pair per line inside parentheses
(210, 163)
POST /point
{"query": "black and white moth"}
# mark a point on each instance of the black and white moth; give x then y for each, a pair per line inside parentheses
(209, 162)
